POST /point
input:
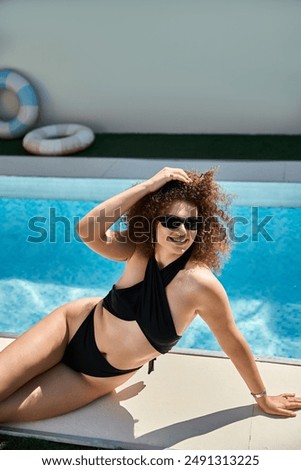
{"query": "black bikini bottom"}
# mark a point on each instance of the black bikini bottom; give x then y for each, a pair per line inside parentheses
(83, 355)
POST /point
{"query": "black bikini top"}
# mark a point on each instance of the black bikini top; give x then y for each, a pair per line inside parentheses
(146, 302)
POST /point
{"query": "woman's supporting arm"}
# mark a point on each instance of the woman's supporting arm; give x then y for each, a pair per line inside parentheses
(219, 317)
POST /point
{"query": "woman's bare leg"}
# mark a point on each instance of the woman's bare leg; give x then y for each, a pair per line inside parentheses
(39, 348)
(33, 382)
(55, 392)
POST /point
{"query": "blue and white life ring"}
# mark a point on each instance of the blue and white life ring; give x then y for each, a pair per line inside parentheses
(28, 105)
(58, 139)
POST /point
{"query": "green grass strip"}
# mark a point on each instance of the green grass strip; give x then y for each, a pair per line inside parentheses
(183, 146)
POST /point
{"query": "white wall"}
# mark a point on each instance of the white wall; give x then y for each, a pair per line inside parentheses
(171, 66)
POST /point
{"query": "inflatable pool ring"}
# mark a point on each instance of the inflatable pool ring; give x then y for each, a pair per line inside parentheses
(60, 139)
(28, 105)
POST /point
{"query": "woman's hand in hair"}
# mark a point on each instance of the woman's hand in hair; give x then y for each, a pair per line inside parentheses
(165, 175)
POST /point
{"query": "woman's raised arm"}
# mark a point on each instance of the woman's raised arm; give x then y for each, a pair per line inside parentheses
(94, 228)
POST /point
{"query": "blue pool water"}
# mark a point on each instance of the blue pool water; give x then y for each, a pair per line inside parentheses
(43, 264)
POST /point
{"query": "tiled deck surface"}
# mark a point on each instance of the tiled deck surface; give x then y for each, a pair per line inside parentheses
(189, 402)
(99, 167)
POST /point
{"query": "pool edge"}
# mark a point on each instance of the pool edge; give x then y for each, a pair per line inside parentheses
(221, 355)
(108, 167)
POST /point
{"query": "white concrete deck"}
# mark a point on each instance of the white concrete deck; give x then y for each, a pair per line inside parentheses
(189, 402)
(100, 167)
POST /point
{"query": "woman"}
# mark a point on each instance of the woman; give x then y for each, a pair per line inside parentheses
(88, 347)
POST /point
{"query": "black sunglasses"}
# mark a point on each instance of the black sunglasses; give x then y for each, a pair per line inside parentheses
(173, 222)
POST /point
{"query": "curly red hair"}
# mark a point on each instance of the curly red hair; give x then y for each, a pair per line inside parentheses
(212, 244)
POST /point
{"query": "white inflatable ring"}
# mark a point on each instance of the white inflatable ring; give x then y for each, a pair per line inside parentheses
(60, 139)
(28, 110)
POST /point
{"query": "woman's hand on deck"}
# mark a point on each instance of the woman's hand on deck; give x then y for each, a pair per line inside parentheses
(285, 404)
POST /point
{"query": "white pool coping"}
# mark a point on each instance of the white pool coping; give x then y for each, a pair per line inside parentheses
(192, 402)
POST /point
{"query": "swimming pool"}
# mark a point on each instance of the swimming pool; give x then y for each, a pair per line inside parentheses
(43, 264)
